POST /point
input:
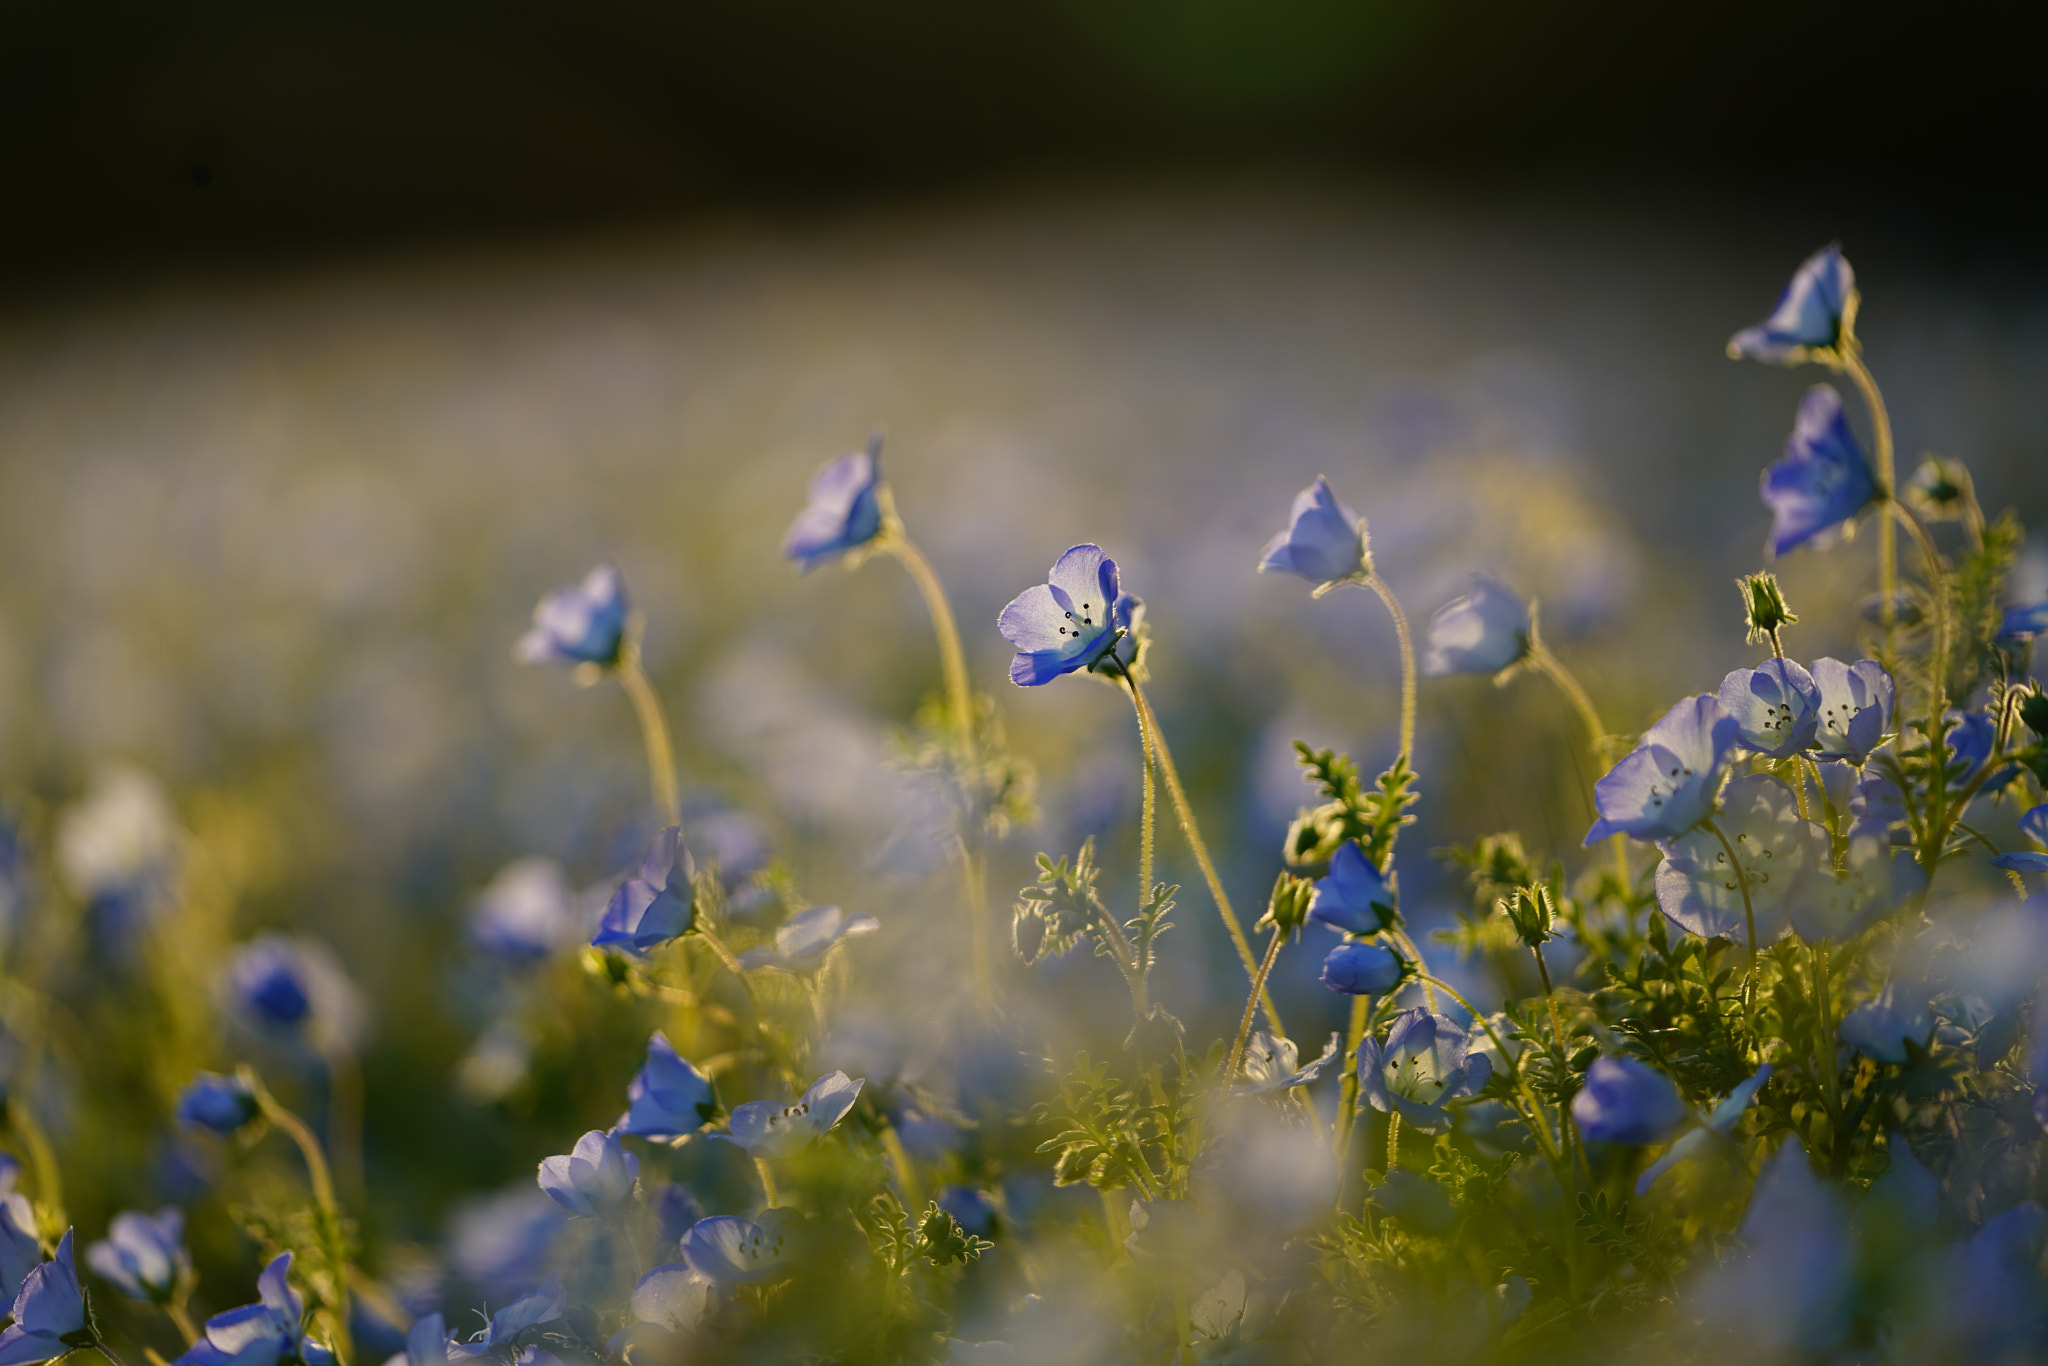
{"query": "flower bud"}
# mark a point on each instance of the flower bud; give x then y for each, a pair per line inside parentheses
(1763, 605)
(1940, 490)
(1530, 912)
(1359, 968)
(1287, 908)
(2034, 711)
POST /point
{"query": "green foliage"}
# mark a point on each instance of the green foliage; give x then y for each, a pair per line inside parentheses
(1114, 1132)
(1976, 596)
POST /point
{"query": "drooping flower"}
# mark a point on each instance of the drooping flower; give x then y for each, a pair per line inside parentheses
(2034, 826)
(1356, 897)
(526, 913)
(1324, 541)
(1483, 632)
(1668, 784)
(657, 905)
(143, 1257)
(727, 1250)
(1808, 316)
(845, 510)
(1776, 706)
(1363, 969)
(1626, 1101)
(1704, 894)
(1270, 1064)
(20, 1250)
(222, 1104)
(1822, 480)
(1720, 1122)
(1855, 707)
(1423, 1066)
(582, 624)
(49, 1313)
(769, 1130)
(802, 941)
(1069, 622)
(668, 1097)
(596, 1179)
(1882, 1028)
(266, 1333)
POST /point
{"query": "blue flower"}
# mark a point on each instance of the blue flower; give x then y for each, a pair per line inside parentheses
(1809, 315)
(20, 1250)
(1855, 707)
(1907, 1188)
(1792, 1288)
(1700, 892)
(1069, 622)
(1719, 1124)
(1626, 1101)
(726, 1250)
(1362, 969)
(1271, 1064)
(509, 1326)
(1667, 786)
(2024, 622)
(768, 1130)
(1822, 480)
(802, 941)
(1881, 1029)
(845, 510)
(668, 1097)
(269, 984)
(594, 1180)
(1324, 541)
(1423, 1066)
(222, 1104)
(1996, 1308)
(668, 1303)
(2033, 825)
(1487, 630)
(266, 1333)
(143, 1257)
(427, 1344)
(656, 906)
(1874, 878)
(1355, 898)
(585, 624)
(970, 1208)
(675, 1209)
(49, 1313)
(526, 913)
(1776, 706)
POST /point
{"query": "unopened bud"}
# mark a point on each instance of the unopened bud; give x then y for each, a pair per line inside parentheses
(1763, 604)
(2034, 711)
(1287, 908)
(1530, 912)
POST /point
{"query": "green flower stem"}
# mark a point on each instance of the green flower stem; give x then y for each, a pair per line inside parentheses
(1393, 1139)
(1887, 541)
(106, 1351)
(1244, 1025)
(345, 1118)
(1534, 1116)
(1749, 922)
(42, 1159)
(1428, 979)
(2019, 884)
(767, 1180)
(661, 757)
(1184, 1350)
(1347, 1089)
(1820, 788)
(906, 1174)
(1149, 822)
(1552, 668)
(322, 1180)
(1549, 999)
(181, 1318)
(1373, 582)
(1824, 1044)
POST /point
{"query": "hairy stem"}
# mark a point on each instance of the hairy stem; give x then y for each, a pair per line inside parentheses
(1244, 1025)
(1373, 582)
(345, 1118)
(767, 1180)
(1347, 1089)
(661, 758)
(1749, 923)
(1567, 683)
(42, 1159)
(322, 1179)
(1887, 540)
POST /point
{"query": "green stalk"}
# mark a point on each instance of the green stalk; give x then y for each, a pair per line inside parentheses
(1749, 921)
(322, 1180)
(1887, 540)
(1552, 668)
(661, 758)
(1244, 1025)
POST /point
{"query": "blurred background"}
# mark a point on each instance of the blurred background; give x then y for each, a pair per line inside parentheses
(330, 338)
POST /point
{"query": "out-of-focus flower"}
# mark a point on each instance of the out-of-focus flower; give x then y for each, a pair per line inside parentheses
(1172, 1232)
(526, 913)
(1363, 969)
(1809, 315)
(1356, 897)
(2024, 622)
(20, 1250)
(1626, 1101)
(727, 1250)
(503, 1243)
(802, 941)
(117, 848)
(1069, 622)
(769, 1130)
(262, 1334)
(595, 1180)
(668, 1097)
(1822, 480)
(1483, 632)
(142, 1256)
(1668, 784)
(1776, 707)
(2034, 826)
(1270, 1064)
(1791, 1291)
(1882, 1028)
(1422, 1067)
(675, 1210)
(1855, 707)
(1700, 891)
(1907, 1188)
(222, 1104)
(510, 1325)
(1720, 1122)
(845, 510)
(1875, 877)
(49, 1312)
(1324, 541)
(427, 1343)
(731, 839)
(284, 985)
(582, 624)
(668, 1303)
(1997, 1310)
(657, 905)
(970, 1208)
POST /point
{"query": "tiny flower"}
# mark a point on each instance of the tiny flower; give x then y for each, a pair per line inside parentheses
(143, 1257)
(769, 1130)
(1356, 897)
(1484, 632)
(1072, 621)
(668, 1097)
(1822, 480)
(1855, 707)
(20, 1250)
(802, 941)
(845, 511)
(596, 1179)
(1809, 315)
(1324, 541)
(2024, 622)
(1776, 706)
(1704, 894)
(1667, 786)
(1269, 1064)
(49, 1313)
(1363, 969)
(526, 913)
(1422, 1067)
(2033, 825)
(585, 624)
(1882, 1028)
(1626, 1101)
(656, 906)
(730, 1251)
(222, 1104)
(1720, 1123)
(261, 1334)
